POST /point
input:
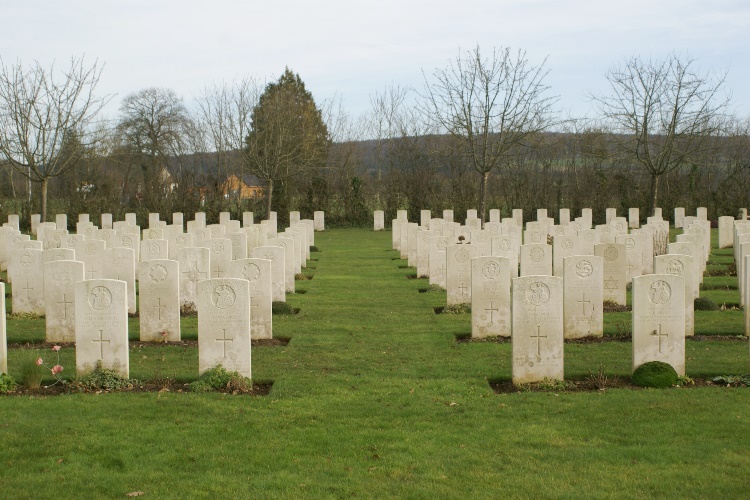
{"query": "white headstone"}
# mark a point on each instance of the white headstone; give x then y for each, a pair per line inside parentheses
(121, 266)
(679, 217)
(258, 274)
(221, 255)
(62, 221)
(378, 221)
(278, 270)
(294, 217)
(248, 219)
(154, 250)
(423, 252)
(634, 218)
(448, 215)
(58, 254)
(288, 244)
(536, 259)
(28, 281)
(659, 320)
(517, 215)
(562, 246)
(35, 220)
(458, 274)
(614, 271)
(101, 317)
(494, 215)
(681, 265)
(91, 253)
(509, 247)
(633, 254)
(178, 219)
(224, 325)
(200, 218)
(537, 329)
(490, 297)
(438, 261)
(195, 266)
(582, 294)
(239, 245)
(159, 298)
(319, 219)
(60, 278)
(726, 228)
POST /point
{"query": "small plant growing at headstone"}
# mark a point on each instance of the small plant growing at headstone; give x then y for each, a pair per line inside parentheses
(732, 380)
(314, 249)
(612, 306)
(599, 378)
(188, 310)
(624, 330)
(655, 374)
(548, 385)
(685, 380)
(102, 380)
(457, 309)
(31, 371)
(7, 383)
(705, 304)
(219, 379)
(282, 308)
(56, 370)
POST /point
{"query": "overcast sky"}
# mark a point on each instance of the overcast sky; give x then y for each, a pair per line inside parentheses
(352, 49)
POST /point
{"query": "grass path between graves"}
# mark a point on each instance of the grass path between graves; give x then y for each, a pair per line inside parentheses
(373, 397)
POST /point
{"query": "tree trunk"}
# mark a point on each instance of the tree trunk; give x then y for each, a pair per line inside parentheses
(269, 195)
(45, 182)
(483, 196)
(654, 193)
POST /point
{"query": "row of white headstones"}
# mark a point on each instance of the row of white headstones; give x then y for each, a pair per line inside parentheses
(562, 287)
(85, 283)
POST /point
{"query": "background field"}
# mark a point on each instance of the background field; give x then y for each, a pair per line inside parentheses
(373, 397)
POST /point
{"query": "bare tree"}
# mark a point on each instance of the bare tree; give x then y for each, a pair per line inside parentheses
(154, 125)
(490, 105)
(664, 113)
(44, 113)
(224, 113)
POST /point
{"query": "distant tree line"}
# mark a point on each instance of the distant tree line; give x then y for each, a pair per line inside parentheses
(482, 133)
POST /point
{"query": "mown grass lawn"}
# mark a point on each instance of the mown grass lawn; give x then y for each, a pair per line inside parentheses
(373, 397)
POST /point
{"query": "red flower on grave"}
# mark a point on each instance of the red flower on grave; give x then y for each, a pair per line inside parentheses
(39, 362)
(55, 348)
(56, 369)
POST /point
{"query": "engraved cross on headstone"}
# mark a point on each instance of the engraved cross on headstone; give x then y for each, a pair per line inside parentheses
(101, 342)
(660, 335)
(28, 289)
(463, 289)
(224, 339)
(219, 271)
(159, 307)
(91, 273)
(193, 273)
(65, 304)
(492, 309)
(538, 336)
(583, 303)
